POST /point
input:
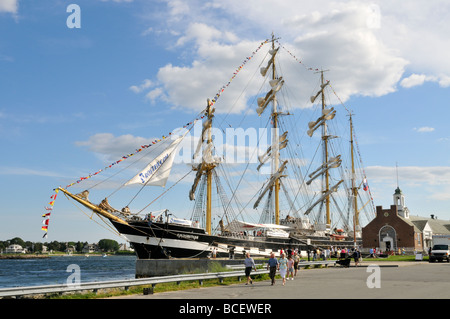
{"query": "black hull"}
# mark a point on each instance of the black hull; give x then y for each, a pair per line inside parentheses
(165, 240)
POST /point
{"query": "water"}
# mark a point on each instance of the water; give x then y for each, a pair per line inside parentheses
(53, 270)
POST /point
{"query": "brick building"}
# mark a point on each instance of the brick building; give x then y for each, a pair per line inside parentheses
(395, 228)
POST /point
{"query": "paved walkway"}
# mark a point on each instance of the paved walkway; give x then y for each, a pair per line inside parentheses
(373, 279)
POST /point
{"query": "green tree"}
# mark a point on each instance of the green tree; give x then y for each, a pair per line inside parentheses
(38, 247)
(79, 246)
(17, 241)
(54, 246)
(108, 245)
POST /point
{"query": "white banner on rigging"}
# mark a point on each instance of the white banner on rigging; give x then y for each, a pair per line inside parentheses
(157, 172)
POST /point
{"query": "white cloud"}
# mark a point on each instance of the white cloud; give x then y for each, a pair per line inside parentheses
(366, 46)
(413, 80)
(435, 175)
(419, 79)
(343, 38)
(199, 32)
(418, 32)
(444, 81)
(426, 189)
(154, 94)
(424, 129)
(10, 6)
(113, 147)
(118, 0)
(139, 88)
(26, 171)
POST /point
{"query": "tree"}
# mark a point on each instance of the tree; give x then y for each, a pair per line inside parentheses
(108, 245)
(17, 241)
(79, 246)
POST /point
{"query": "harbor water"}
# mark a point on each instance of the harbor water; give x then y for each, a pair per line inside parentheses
(59, 269)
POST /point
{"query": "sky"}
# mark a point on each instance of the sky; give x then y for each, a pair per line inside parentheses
(82, 85)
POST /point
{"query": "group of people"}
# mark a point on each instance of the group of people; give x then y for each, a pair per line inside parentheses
(287, 267)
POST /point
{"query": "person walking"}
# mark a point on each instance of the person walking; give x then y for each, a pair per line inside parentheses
(272, 267)
(249, 264)
(290, 266)
(296, 261)
(282, 267)
(356, 256)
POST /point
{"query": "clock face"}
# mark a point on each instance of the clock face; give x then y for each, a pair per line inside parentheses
(386, 214)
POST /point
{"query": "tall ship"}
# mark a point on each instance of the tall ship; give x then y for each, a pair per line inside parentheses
(264, 197)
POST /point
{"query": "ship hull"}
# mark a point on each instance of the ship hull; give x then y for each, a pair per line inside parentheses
(166, 240)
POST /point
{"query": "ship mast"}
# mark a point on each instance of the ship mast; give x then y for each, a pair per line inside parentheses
(208, 168)
(207, 165)
(328, 162)
(276, 158)
(354, 188)
(325, 137)
(278, 142)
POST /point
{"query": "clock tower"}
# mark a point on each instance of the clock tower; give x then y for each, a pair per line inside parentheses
(399, 201)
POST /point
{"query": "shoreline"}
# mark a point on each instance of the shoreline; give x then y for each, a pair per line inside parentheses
(16, 256)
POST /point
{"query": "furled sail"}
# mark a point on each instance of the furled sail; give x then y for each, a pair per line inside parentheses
(333, 162)
(209, 161)
(325, 195)
(264, 101)
(264, 69)
(327, 114)
(271, 182)
(322, 87)
(157, 172)
(263, 158)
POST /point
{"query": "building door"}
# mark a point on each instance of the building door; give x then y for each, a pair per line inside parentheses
(387, 238)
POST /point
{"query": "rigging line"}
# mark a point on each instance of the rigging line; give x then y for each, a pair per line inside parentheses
(155, 142)
(90, 217)
(164, 192)
(109, 226)
(242, 176)
(362, 167)
(235, 102)
(342, 103)
(230, 167)
(113, 175)
(157, 146)
(216, 97)
(221, 167)
(146, 183)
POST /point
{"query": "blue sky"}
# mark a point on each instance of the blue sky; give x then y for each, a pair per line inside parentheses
(75, 99)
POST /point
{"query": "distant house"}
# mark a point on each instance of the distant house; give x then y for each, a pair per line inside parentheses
(90, 248)
(394, 228)
(15, 249)
(124, 247)
(70, 249)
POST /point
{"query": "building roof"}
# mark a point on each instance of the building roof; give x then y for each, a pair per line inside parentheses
(417, 229)
(438, 226)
